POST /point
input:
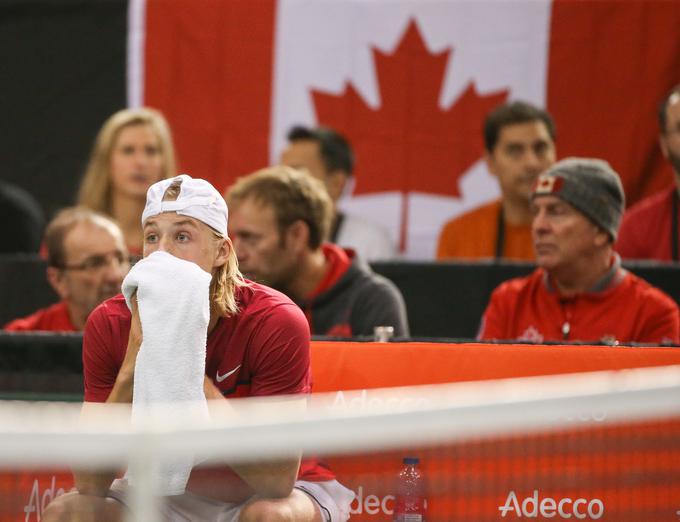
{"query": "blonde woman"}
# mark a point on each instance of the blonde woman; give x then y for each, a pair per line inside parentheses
(132, 151)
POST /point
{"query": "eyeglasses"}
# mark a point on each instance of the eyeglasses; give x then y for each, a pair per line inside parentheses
(98, 262)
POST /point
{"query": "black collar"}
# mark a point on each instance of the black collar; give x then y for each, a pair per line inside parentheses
(674, 226)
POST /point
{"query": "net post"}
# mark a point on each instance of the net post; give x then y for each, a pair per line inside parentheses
(144, 500)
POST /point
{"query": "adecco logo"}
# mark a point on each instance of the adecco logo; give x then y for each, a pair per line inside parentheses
(549, 507)
(361, 401)
(371, 504)
(37, 502)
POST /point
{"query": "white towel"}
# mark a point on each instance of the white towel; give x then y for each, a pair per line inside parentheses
(174, 309)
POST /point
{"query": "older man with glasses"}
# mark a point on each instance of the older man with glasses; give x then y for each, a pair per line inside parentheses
(87, 261)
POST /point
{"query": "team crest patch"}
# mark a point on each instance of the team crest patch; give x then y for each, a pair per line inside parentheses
(531, 335)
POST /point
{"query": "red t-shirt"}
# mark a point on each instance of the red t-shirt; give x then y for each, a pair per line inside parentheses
(645, 231)
(54, 318)
(262, 350)
(628, 310)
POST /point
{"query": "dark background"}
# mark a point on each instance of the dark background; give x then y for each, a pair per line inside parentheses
(62, 71)
(443, 299)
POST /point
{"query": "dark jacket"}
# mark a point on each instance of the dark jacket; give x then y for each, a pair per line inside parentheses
(358, 302)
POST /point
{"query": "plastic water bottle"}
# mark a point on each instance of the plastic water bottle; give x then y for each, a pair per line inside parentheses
(410, 504)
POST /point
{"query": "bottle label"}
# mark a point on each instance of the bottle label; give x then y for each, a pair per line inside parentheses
(410, 517)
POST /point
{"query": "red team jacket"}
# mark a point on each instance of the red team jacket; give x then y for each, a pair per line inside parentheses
(54, 318)
(646, 229)
(628, 310)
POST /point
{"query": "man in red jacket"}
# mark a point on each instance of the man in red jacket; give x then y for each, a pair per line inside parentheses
(87, 261)
(650, 228)
(580, 292)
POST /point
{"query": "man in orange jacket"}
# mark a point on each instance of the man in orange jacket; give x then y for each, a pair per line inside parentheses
(520, 144)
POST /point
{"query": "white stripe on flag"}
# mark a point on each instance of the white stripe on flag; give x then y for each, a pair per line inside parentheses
(135, 52)
(323, 46)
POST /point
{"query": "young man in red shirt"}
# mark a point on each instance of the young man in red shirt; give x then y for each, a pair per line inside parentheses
(87, 261)
(257, 345)
(279, 223)
(580, 292)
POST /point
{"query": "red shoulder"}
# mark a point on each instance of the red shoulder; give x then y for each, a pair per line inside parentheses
(518, 285)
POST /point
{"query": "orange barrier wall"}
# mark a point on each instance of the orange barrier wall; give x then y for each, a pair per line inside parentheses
(621, 473)
(353, 366)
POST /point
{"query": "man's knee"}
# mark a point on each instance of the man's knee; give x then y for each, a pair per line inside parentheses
(74, 507)
(267, 510)
(297, 507)
(57, 509)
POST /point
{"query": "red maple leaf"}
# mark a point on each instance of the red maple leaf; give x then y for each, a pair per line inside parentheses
(409, 144)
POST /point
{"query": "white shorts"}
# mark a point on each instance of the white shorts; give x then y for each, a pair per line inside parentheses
(333, 500)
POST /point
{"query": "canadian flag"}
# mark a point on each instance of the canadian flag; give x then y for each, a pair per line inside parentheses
(409, 83)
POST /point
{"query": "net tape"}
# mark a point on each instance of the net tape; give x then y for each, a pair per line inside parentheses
(43, 434)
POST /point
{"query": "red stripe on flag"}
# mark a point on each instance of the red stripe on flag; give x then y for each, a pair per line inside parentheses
(610, 64)
(210, 71)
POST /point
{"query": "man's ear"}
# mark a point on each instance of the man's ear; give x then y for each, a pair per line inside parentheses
(55, 277)
(222, 253)
(335, 183)
(490, 163)
(297, 236)
(602, 237)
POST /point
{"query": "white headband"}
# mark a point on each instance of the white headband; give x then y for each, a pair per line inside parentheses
(197, 199)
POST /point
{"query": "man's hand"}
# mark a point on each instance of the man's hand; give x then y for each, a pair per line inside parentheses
(210, 390)
(122, 389)
(270, 479)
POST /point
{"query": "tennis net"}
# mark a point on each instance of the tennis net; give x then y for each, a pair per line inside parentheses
(593, 446)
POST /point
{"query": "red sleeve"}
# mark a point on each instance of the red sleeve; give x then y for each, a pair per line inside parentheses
(493, 325)
(54, 318)
(661, 321)
(20, 325)
(280, 353)
(28, 323)
(99, 367)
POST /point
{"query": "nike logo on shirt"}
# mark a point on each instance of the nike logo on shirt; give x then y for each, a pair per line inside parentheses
(220, 378)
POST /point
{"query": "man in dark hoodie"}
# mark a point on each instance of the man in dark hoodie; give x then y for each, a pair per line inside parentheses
(279, 224)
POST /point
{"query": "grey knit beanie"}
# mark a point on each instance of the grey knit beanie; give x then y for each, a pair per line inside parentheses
(589, 185)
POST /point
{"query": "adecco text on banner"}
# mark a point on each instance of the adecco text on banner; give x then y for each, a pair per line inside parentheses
(371, 504)
(37, 503)
(549, 507)
(360, 401)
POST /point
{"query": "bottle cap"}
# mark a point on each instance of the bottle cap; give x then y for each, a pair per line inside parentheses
(411, 460)
(382, 334)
